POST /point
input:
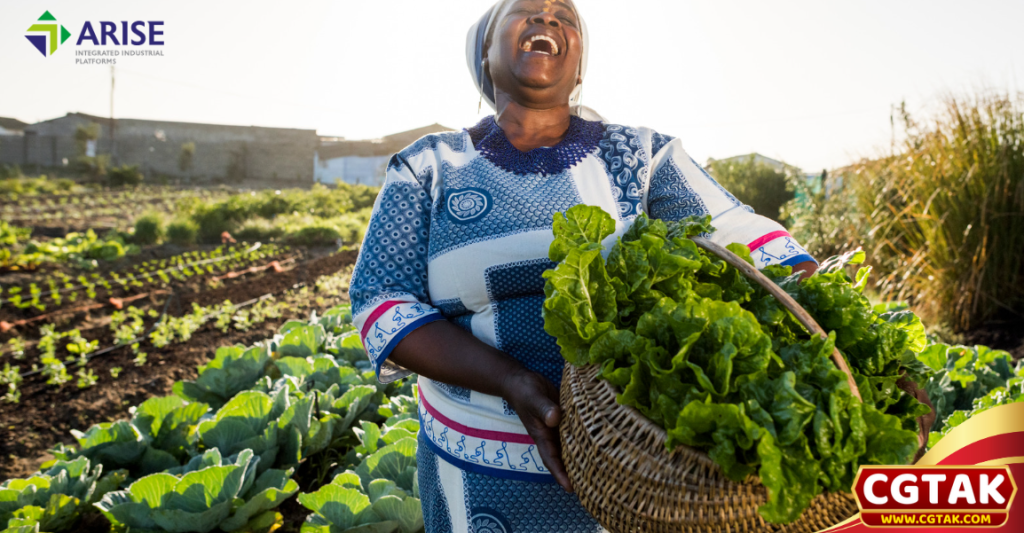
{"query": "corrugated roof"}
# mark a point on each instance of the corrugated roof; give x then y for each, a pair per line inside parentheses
(105, 120)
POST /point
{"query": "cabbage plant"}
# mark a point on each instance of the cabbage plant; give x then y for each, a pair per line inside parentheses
(51, 500)
(281, 427)
(380, 496)
(210, 493)
(157, 437)
(233, 370)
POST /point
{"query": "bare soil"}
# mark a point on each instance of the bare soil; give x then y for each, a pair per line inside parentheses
(46, 414)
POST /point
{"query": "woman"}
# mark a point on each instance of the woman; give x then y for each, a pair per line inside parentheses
(448, 283)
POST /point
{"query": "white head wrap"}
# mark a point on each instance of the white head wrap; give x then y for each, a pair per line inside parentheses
(475, 41)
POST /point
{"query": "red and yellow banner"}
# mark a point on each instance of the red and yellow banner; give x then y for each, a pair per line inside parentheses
(967, 481)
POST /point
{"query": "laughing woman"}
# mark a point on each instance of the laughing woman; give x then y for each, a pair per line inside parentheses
(448, 283)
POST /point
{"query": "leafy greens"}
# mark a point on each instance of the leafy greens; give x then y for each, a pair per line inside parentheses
(723, 367)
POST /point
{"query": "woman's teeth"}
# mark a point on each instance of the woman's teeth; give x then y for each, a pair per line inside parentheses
(528, 45)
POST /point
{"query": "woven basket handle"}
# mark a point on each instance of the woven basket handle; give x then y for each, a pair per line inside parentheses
(784, 298)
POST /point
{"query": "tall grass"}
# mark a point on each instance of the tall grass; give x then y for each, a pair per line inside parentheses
(943, 217)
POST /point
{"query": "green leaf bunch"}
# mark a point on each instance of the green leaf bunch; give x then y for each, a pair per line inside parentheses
(380, 496)
(968, 381)
(720, 364)
(207, 494)
(233, 370)
(53, 499)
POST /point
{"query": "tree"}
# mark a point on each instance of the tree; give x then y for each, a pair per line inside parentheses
(761, 186)
(96, 164)
(84, 134)
(186, 156)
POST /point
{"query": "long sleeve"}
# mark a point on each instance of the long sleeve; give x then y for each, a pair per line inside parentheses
(679, 188)
(389, 284)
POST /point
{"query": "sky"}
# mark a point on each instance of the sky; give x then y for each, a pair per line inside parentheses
(809, 82)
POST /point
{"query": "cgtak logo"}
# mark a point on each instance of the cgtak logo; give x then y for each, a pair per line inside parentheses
(935, 496)
(47, 42)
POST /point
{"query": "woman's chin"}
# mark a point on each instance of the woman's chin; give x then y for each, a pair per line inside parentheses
(537, 77)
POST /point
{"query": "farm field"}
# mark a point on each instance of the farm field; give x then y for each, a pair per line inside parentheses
(160, 342)
(74, 272)
(110, 296)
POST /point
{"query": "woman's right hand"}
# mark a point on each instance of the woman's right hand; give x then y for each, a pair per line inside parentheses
(535, 399)
(447, 353)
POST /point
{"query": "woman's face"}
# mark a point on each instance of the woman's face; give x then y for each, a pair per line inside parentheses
(535, 50)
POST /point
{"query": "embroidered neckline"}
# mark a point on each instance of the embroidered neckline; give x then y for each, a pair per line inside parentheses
(580, 140)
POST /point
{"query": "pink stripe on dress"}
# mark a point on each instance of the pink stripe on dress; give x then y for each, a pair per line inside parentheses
(765, 239)
(473, 432)
(380, 310)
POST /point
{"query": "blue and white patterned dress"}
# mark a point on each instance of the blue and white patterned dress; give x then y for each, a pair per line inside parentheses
(460, 232)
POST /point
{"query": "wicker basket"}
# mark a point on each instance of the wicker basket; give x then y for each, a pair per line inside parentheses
(627, 479)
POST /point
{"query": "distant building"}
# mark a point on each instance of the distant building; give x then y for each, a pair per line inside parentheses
(363, 162)
(12, 126)
(222, 153)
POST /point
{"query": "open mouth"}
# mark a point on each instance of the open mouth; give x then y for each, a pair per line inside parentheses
(542, 44)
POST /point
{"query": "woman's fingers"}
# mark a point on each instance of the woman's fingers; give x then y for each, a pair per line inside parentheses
(535, 398)
(551, 455)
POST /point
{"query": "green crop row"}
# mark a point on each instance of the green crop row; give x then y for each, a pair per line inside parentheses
(153, 272)
(221, 452)
(969, 380)
(81, 250)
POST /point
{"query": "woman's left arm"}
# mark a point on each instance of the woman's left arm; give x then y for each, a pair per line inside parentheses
(679, 188)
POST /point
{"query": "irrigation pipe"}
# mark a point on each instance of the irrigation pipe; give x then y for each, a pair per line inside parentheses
(93, 355)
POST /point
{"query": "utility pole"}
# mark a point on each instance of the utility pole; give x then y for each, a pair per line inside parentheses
(892, 129)
(113, 148)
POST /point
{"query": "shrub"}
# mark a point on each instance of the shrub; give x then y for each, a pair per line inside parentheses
(258, 229)
(211, 222)
(15, 186)
(94, 167)
(124, 175)
(9, 171)
(254, 215)
(182, 232)
(314, 235)
(824, 222)
(149, 228)
(940, 216)
(314, 231)
(757, 184)
(362, 196)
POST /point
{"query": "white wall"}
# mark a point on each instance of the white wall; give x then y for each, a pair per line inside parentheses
(356, 170)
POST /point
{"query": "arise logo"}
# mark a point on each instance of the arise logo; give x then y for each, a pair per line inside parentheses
(44, 34)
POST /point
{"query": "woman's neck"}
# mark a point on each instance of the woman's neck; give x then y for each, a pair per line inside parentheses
(528, 128)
